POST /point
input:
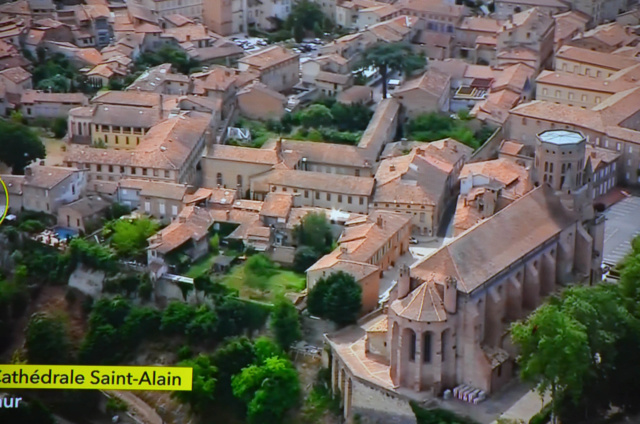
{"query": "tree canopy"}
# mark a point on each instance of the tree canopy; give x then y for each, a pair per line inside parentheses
(47, 340)
(129, 237)
(285, 323)
(167, 54)
(269, 390)
(435, 126)
(306, 16)
(392, 57)
(204, 383)
(337, 298)
(584, 345)
(19, 145)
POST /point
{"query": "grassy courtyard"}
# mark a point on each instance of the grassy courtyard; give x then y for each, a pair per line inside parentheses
(281, 282)
(266, 289)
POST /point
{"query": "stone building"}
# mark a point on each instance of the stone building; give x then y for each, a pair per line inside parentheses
(447, 321)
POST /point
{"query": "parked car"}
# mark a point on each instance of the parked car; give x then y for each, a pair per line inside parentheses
(413, 240)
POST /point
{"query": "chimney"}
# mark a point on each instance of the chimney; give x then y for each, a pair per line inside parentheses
(392, 168)
(159, 236)
(450, 295)
(161, 105)
(28, 172)
(343, 248)
(379, 222)
(455, 147)
(403, 285)
(593, 154)
(182, 219)
(188, 37)
(279, 145)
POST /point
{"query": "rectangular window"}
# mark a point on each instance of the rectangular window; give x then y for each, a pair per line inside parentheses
(317, 195)
(349, 199)
(306, 194)
(362, 200)
(328, 196)
(174, 210)
(339, 198)
(147, 207)
(162, 209)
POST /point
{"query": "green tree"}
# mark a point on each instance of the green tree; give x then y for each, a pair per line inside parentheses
(59, 127)
(230, 358)
(47, 340)
(314, 230)
(110, 311)
(305, 257)
(554, 351)
(305, 16)
(434, 126)
(102, 345)
(285, 323)
(203, 389)
(19, 145)
(214, 244)
(354, 117)
(337, 298)
(257, 271)
(129, 238)
(316, 115)
(392, 57)
(203, 326)
(176, 318)
(141, 323)
(269, 390)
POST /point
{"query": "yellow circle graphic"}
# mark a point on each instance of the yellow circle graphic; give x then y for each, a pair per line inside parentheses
(6, 194)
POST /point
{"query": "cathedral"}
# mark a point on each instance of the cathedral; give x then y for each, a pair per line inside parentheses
(446, 325)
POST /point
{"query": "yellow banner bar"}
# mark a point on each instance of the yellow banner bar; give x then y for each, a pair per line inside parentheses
(95, 377)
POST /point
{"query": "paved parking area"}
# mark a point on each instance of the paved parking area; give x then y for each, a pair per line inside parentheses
(622, 225)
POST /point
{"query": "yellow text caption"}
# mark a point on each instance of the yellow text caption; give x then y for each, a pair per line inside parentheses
(95, 377)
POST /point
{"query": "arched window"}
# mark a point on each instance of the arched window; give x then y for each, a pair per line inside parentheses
(426, 351)
(412, 345)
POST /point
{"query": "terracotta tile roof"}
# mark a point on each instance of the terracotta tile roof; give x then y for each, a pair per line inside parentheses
(513, 177)
(335, 154)
(177, 19)
(277, 205)
(514, 77)
(491, 246)
(432, 82)
(603, 60)
(356, 94)
(89, 55)
(222, 196)
(334, 78)
(16, 75)
(583, 82)
(161, 189)
(192, 224)
(47, 176)
(612, 34)
(307, 180)
(380, 325)
(511, 147)
(34, 96)
(416, 178)
(188, 32)
(14, 183)
(539, 3)
(129, 98)
(423, 304)
(431, 6)
(481, 24)
(269, 57)
(243, 154)
(600, 157)
(436, 39)
(86, 207)
(35, 37)
(167, 145)
(374, 137)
